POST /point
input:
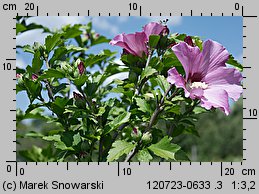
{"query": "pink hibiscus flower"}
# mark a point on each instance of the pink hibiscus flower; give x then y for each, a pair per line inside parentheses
(206, 76)
(136, 44)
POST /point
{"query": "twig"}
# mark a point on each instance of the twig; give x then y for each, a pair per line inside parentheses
(159, 108)
(48, 86)
(121, 127)
(100, 149)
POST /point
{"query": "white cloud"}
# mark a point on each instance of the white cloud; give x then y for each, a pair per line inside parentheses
(173, 20)
(30, 37)
(56, 22)
(122, 19)
(103, 24)
(120, 76)
(20, 63)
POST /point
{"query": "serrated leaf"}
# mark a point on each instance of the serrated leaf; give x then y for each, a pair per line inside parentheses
(76, 139)
(27, 48)
(162, 82)
(51, 73)
(181, 156)
(37, 62)
(144, 156)
(119, 120)
(94, 59)
(72, 32)
(148, 71)
(119, 148)
(52, 41)
(235, 63)
(153, 40)
(199, 110)
(33, 89)
(20, 28)
(56, 89)
(100, 40)
(143, 105)
(164, 148)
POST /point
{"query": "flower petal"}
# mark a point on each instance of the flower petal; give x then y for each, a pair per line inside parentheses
(175, 78)
(189, 57)
(153, 28)
(217, 98)
(213, 56)
(196, 93)
(134, 44)
(137, 43)
(119, 41)
(226, 78)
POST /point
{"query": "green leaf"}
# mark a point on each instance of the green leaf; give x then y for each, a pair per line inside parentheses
(33, 89)
(62, 146)
(235, 63)
(20, 28)
(164, 148)
(72, 32)
(143, 105)
(52, 41)
(51, 73)
(52, 138)
(119, 120)
(162, 82)
(173, 108)
(94, 59)
(119, 148)
(56, 89)
(144, 156)
(80, 81)
(99, 40)
(76, 139)
(58, 106)
(148, 71)
(199, 110)
(27, 48)
(37, 62)
(181, 156)
(153, 41)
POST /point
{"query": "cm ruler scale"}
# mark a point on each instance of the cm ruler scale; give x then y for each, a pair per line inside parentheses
(160, 177)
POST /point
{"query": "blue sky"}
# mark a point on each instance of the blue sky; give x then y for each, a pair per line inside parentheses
(226, 30)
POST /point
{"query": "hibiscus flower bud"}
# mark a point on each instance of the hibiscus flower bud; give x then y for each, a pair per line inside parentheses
(34, 77)
(189, 41)
(146, 138)
(81, 68)
(79, 100)
(165, 31)
(136, 134)
(77, 96)
(97, 35)
(18, 75)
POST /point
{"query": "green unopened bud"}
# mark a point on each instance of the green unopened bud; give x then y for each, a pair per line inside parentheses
(146, 138)
(136, 134)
